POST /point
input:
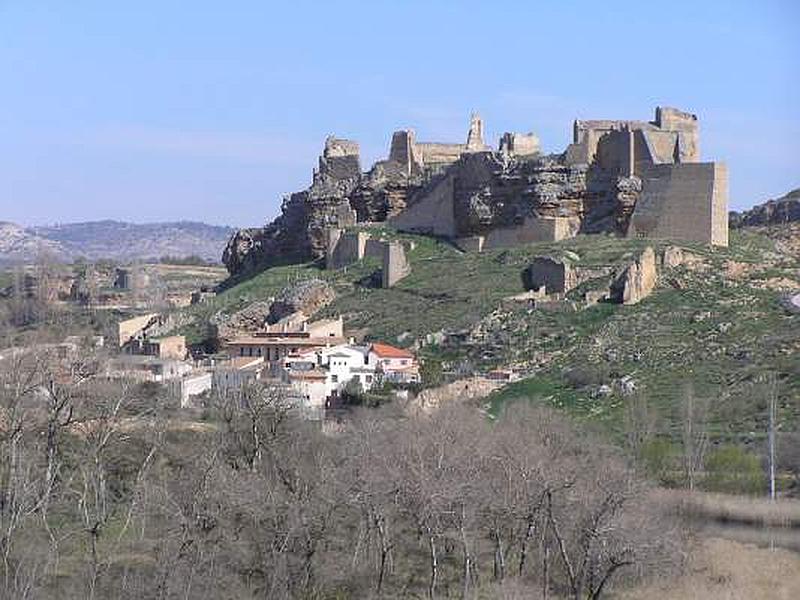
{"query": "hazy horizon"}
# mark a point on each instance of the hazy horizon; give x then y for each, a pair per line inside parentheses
(153, 113)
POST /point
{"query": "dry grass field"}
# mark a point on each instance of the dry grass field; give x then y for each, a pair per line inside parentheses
(721, 569)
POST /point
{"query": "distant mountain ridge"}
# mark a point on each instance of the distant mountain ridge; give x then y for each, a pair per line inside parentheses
(115, 240)
(785, 209)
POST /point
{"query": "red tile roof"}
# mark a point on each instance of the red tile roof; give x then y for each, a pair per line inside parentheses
(387, 351)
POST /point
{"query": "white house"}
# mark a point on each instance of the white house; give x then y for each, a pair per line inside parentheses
(236, 373)
(345, 364)
(310, 390)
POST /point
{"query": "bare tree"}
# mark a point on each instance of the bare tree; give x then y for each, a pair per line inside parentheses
(694, 434)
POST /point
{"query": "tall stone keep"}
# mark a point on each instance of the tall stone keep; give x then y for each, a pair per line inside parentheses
(475, 135)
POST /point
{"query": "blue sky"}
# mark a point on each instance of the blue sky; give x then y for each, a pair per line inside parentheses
(159, 110)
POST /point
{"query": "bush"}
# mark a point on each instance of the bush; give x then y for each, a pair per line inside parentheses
(431, 372)
(656, 456)
(733, 470)
(354, 394)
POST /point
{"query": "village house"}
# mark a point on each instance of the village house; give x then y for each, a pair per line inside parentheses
(339, 365)
(147, 368)
(394, 364)
(234, 374)
(166, 347)
(309, 388)
(276, 342)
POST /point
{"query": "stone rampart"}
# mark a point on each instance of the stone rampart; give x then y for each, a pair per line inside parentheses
(395, 264)
(347, 248)
(432, 213)
(683, 202)
(532, 230)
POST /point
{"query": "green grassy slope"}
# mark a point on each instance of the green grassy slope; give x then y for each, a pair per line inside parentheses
(713, 328)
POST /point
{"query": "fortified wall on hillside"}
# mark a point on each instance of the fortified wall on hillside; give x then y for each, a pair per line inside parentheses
(634, 178)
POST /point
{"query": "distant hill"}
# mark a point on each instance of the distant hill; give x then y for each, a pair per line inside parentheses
(113, 240)
(20, 245)
(772, 212)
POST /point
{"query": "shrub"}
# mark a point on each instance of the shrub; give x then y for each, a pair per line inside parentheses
(733, 470)
(655, 455)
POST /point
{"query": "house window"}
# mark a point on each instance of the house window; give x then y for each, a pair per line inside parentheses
(404, 362)
(335, 378)
(241, 351)
(368, 378)
(259, 351)
(250, 351)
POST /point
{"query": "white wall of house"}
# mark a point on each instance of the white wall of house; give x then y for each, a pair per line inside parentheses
(226, 379)
(345, 363)
(190, 386)
(311, 395)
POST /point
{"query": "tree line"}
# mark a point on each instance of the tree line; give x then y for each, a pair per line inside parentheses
(108, 492)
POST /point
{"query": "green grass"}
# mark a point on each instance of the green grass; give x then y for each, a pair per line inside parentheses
(698, 330)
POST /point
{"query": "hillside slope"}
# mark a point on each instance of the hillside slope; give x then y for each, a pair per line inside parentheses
(713, 328)
(785, 209)
(20, 245)
(114, 240)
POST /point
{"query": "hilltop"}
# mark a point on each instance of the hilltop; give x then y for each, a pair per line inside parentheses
(114, 240)
(18, 244)
(626, 177)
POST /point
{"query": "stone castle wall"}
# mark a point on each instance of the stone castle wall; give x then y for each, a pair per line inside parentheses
(532, 230)
(614, 173)
(346, 248)
(433, 213)
(684, 201)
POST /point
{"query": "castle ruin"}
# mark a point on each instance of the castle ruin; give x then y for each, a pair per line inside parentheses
(630, 178)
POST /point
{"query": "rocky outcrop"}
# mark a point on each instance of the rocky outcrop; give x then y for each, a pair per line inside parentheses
(250, 318)
(339, 196)
(773, 212)
(637, 281)
(492, 190)
(306, 297)
(467, 190)
(673, 257)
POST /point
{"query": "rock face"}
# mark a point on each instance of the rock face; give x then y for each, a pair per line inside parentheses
(339, 196)
(250, 318)
(306, 297)
(637, 281)
(773, 212)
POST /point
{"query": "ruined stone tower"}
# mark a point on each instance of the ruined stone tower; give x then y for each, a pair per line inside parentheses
(475, 135)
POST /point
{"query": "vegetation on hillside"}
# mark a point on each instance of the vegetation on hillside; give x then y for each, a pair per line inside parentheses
(716, 328)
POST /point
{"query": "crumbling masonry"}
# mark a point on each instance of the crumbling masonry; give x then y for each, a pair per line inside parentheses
(634, 178)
